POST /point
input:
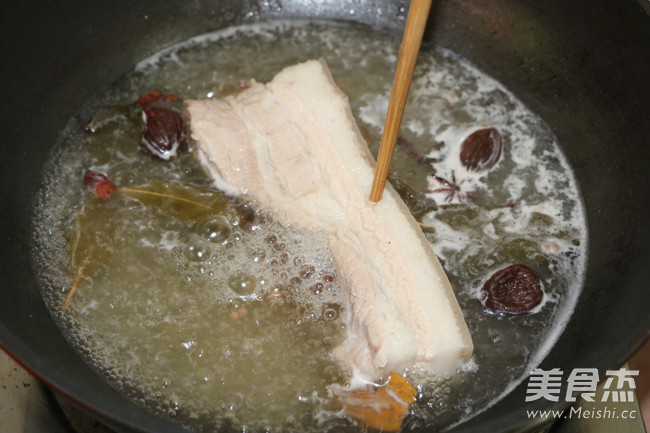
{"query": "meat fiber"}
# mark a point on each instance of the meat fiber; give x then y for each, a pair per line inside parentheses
(293, 146)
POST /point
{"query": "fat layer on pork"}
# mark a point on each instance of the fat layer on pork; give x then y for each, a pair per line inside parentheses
(293, 145)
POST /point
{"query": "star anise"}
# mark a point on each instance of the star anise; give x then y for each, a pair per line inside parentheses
(451, 188)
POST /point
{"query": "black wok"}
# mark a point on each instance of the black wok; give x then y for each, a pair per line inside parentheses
(582, 65)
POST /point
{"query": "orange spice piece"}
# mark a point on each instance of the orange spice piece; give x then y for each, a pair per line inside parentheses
(383, 408)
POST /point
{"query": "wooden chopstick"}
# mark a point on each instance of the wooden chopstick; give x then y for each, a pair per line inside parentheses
(413, 31)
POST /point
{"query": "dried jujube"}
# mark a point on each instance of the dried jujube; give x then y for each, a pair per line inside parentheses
(481, 150)
(165, 133)
(515, 290)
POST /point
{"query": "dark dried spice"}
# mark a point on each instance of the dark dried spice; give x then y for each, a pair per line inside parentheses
(482, 149)
(165, 132)
(100, 184)
(515, 290)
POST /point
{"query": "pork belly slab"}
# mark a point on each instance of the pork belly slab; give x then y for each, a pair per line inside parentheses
(293, 146)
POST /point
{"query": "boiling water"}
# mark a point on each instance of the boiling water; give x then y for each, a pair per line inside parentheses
(229, 323)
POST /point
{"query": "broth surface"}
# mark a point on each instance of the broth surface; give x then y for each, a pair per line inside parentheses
(229, 322)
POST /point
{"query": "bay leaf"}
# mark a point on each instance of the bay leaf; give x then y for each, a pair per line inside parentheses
(91, 238)
(97, 233)
(180, 201)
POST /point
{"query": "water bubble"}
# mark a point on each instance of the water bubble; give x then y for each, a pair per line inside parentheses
(316, 288)
(242, 284)
(196, 251)
(307, 271)
(257, 254)
(330, 314)
(215, 229)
